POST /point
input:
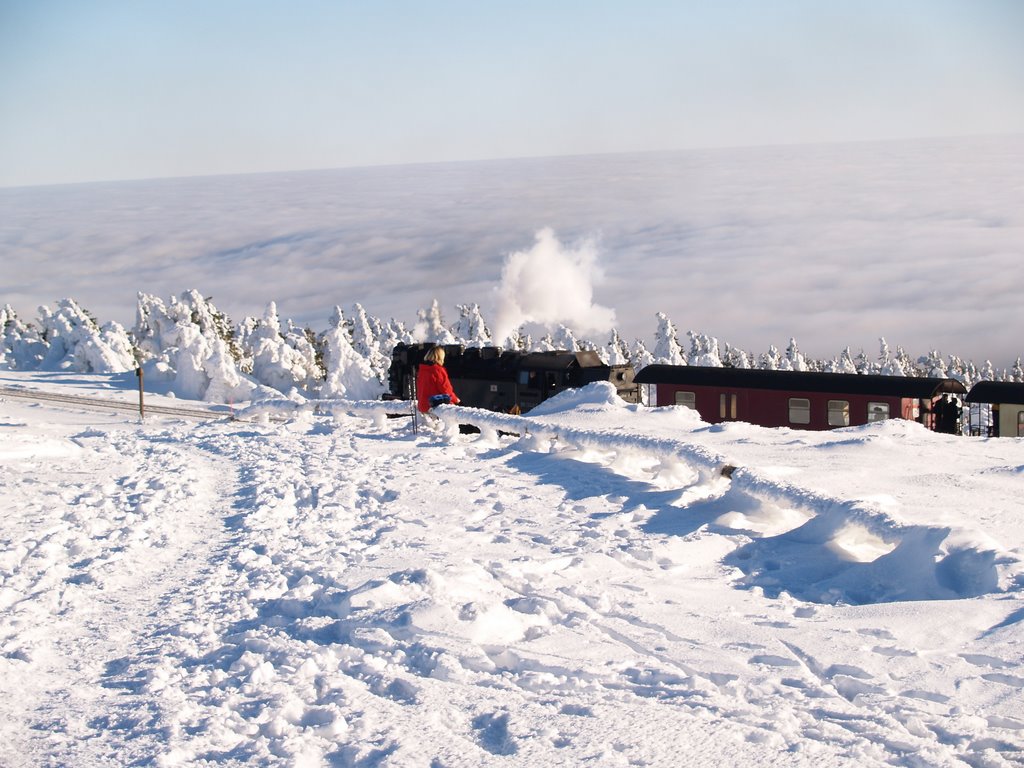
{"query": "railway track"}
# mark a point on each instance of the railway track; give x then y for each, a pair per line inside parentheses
(113, 405)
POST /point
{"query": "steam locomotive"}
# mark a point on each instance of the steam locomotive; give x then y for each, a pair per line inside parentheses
(506, 381)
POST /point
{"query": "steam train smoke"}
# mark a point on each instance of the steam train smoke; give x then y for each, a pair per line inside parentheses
(551, 284)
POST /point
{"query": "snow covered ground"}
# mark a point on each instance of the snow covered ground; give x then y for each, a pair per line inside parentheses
(614, 586)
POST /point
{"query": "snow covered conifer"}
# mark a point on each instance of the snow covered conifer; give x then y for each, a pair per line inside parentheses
(735, 358)
(76, 342)
(191, 346)
(771, 360)
(283, 358)
(349, 374)
(365, 341)
(933, 365)
(863, 364)
(565, 339)
(431, 327)
(905, 363)
(641, 356)
(391, 335)
(988, 372)
(470, 329)
(704, 352)
(887, 364)
(615, 351)
(795, 358)
(844, 363)
(666, 343)
(21, 347)
(546, 343)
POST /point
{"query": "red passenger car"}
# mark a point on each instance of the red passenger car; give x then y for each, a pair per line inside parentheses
(801, 400)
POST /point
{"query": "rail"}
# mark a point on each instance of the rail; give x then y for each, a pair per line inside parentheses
(117, 405)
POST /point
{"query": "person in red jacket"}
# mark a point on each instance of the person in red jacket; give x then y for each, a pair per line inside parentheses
(432, 380)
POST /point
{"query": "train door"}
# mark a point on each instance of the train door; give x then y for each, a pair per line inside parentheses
(530, 389)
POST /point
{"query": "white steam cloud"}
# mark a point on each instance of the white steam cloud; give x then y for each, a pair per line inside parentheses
(551, 284)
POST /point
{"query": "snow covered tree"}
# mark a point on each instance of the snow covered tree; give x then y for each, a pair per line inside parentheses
(843, 364)
(666, 343)
(75, 341)
(735, 357)
(518, 341)
(905, 363)
(795, 358)
(771, 360)
(641, 356)
(933, 365)
(863, 364)
(1017, 373)
(987, 372)
(565, 339)
(961, 371)
(430, 326)
(392, 334)
(470, 329)
(365, 340)
(545, 344)
(615, 351)
(887, 364)
(349, 374)
(191, 346)
(704, 351)
(21, 347)
(283, 358)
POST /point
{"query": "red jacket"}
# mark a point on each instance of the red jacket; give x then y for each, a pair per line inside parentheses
(432, 379)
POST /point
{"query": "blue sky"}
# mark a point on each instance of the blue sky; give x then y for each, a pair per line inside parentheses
(94, 90)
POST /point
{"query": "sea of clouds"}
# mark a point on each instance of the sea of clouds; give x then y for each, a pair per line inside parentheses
(918, 241)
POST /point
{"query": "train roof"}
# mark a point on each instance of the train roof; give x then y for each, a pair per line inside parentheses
(997, 392)
(799, 381)
(495, 358)
(559, 360)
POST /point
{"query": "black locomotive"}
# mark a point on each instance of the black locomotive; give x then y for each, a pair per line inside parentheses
(505, 381)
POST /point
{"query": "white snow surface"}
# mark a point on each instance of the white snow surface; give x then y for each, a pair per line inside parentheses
(316, 584)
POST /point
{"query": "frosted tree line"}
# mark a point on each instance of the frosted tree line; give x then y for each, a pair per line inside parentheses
(193, 350)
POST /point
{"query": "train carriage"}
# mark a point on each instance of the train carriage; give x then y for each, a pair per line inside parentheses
(797, 399)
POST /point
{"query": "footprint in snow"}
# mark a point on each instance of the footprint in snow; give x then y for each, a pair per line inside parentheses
(771, 660)
(1011, 680)
(492, 733)
(982, 660)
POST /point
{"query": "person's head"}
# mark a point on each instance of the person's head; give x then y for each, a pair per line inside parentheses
(435, 355)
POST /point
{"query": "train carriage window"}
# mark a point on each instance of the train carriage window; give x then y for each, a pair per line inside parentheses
(878, 412)
(799, 410)
(727, 406)
(688, 399)
(839, 413)
(1020, 423)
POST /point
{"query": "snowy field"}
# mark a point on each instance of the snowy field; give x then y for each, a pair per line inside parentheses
(330, 588)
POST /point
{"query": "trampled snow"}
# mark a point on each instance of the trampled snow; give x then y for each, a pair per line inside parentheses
(596, 583)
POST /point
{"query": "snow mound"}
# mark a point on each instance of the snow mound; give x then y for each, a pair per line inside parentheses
(599, 396)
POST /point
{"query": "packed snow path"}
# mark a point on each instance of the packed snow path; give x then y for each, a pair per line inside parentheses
(337, 591)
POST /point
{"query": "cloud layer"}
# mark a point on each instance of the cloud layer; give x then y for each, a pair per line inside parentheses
(920, 242)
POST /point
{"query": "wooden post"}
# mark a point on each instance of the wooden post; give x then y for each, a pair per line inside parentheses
(142, 406)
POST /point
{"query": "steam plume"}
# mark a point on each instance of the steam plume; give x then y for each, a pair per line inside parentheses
(551, 284)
